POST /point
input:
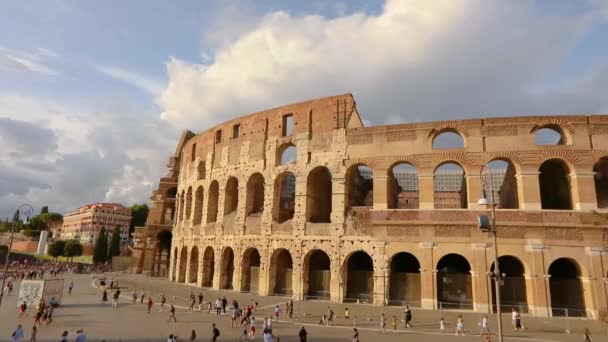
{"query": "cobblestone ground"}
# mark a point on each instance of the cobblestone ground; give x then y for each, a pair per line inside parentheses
(130, 322)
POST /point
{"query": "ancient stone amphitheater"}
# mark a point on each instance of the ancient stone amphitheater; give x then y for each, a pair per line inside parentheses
(304, 201)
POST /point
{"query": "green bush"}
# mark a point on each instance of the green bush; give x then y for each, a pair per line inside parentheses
(31, 233)
(3, 249)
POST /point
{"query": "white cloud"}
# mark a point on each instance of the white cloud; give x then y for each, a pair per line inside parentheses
(14, 60)
(47, 52)
(152, 86)
(416, 59)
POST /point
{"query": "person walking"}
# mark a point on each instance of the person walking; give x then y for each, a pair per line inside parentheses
(134, 295)
(150, 303)
(64, 336)
(408, 316)
(163, 300)
(442, 325)
(484, 326)
(200, 301)
(382, 322)
(141, 299)
(192, 336)
(38, 318)
(518, 325)
(215, 333)
(115, 298)
(330, 316)
(80, 336)
(33, 334)
(22, 309)
(104, 296)
(218, 307)
(303, 334)
(459, 326)
(588, 337)
(70, 287)
(17, 334)
(277, 313)
(346, 316)
(291, 309)
(172, 314)
(355, 335)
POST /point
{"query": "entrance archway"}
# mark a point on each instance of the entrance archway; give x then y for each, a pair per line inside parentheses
(227, 269)
(359, 278)
(162, 253)
(513, 288)
(555, 185)
(566, 288)
(318, 195)
(281, 272)
(193, 266)
(454, 289)
(404, 280)
(183, 261)
(250, 271)
(316, 275)
(208, 267)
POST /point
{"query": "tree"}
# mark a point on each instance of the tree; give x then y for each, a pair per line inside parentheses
(101, 247)
(56, 248)
(139, 215)
(114, 243)
(72, 248)
(44, 209)
(3, 249)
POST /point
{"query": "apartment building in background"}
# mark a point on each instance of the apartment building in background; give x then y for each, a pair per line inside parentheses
(84, 223)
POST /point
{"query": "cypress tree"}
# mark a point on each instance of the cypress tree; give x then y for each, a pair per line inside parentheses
(114, 243)
(101, 247)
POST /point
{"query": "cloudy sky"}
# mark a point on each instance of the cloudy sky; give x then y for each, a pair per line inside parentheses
(94, 94)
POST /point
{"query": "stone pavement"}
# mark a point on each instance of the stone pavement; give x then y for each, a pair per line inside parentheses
(130, 322)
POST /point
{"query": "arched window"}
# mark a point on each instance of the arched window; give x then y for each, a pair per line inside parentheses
(319, 195)
(403, 187)
(454, 287)
(404, 280)
(316, 275)
(286, 154)
(448, 139)
(212, 202)
(555, 185)
(567, 298)
(201, 170)
(231, 197)
(284, 197)
(501, 175)
(450, 188)
(549, 135)
(198, 205)
(255, 194)
(601, 182)
(360, 186)
(250, 271)
(513, 286)
(359, 278)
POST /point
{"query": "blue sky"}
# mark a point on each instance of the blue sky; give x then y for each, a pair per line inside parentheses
(93, 95)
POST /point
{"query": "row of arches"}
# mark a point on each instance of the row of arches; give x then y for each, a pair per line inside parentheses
(454, 288)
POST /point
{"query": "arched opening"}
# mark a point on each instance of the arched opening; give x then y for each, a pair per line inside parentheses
(281, 268)
(227, 269)
(549, 135)
(208, 267)
(231, 196)
(182, 205)
(403, 187)
(189, 203)
(201, 170)
(318, 195)
(316, 275)
(513, 285)
(174, 272)
(404, 280)
(450, 187)
(183, 262)
(162, 253)
(284, 197)
(170, 206)
(601, 182)
(250, 271)
(566, 288)
(359, 278)
(454, 289)
(555, 185)
(287, 154)
(193, 266)
(212, 202)
(255, 194)
(360, 186)
(198, 206)
(504, 183)
(448, 139)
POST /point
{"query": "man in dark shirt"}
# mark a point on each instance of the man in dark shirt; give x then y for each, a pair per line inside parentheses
(215, 333)
(303, 335)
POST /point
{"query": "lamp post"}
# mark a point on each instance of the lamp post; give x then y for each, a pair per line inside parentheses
(26, 210)
(490, 226)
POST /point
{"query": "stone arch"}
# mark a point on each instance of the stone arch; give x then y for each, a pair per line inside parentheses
(286, 154)
(447, 138)
(566, 288)
(601, 182)
(250, 270)
(319, 195)
(404, 280)
(208, 267)
(227, 269)
(255, 194)
(284, 197)
(316, 275)
(169, 216)
(201, 170)
(189, 203)
(502, 175)
(198, 205)
(554, 185)
(183, 262)
(231, 196)
(513, 286)
(162, 253)
(454, 286)
(403, 187)
(193, 271)
(359, 186)
(212, 202)
(281, 272)
(359, 269)
(552, 133)
(449, 186)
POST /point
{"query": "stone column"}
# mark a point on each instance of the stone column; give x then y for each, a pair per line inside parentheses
(201, 258)
(380, 275)
(582, 185)
(336, 287)
(178, 263)
(380, 190)
(338, 205)
(599, 300)
(426, 188)
(428, 277)
(188, 261)
(528, 190)
(217, 271)
(473, 190)
(480, 281)
(266, 220)
(537, 283)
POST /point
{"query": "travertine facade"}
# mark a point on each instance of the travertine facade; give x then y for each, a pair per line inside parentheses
(244, 217)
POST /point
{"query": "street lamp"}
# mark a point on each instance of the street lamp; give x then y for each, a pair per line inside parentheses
(489, 225)
(25, 210)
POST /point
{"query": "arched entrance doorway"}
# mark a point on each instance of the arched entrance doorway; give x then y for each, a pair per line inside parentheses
(454, 289)
(359, 278)
(316, 275)
(319, 195)
(281, 268)
(208, 267)
(404, 280)
(555, 185)
(513, 288)
(183, 262)
(566, 288)
(227, 269)
(161, 254)
(193, 271)
(250, 271)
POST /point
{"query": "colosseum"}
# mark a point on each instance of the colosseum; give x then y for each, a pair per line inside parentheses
(304, 201)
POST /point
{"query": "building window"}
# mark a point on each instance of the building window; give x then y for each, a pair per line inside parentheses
(236, 131)
(218, 137)
(193, 154)
(287, 125)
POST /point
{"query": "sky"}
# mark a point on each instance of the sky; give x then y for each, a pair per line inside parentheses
(94, 94)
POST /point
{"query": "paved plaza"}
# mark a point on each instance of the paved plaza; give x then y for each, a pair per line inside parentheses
(130, 322)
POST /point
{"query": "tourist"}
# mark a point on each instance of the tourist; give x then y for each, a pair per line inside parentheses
(33, 334)
(291, 309)
(192, 336)
(80, 336)
(382, 322)
(514, 319)
(267, 336)
(277, 312)
(200, 301)
(442, 325)
(218, 306)
(191, 303)
(233, 317)
(104, 296)
(267, 323)
(141, 299)
(518, 325)
(460, 326)
(209, 308)
(163, 300)
(171, 338)
(172, 314)
(38, 318)
(70, 287)
(346, 316)
(394, 323)
(355, 335)
(330, 316)
(64, 336)
(224, 303)
(244, 333)
(18, 334)
(150, 303)
(252, 328)
(215, 333)
(303, 334)
(408, 316)
(134, 295)
(484, 326)
(22, 309)
(115, 299)
(587, 335)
